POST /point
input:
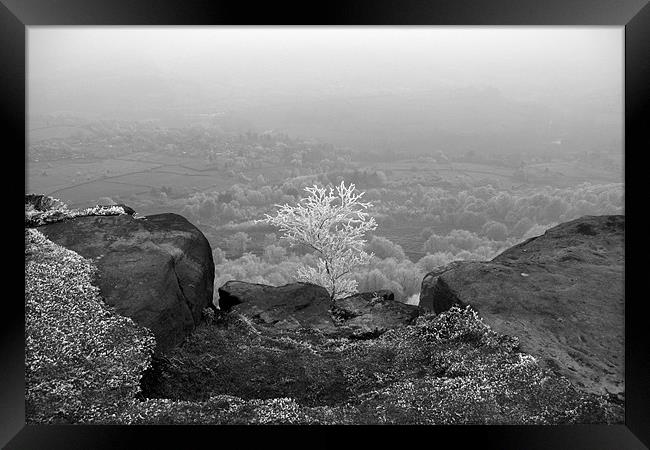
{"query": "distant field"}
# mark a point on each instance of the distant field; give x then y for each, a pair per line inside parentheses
(559, 174)
(177, 170)
(82, 181)
(175, 180)
(46, 177)
(157, 158)
(88, 194)
(414, 171)
(55, 132)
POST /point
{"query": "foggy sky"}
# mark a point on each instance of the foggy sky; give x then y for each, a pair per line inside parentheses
(342, 83)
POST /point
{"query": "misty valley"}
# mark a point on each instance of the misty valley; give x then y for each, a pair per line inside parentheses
(432, 208)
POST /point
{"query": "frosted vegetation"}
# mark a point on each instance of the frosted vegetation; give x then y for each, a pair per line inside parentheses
(445, 369)
(58, 210)
(83, 362)
(476, 223)
(332, 223)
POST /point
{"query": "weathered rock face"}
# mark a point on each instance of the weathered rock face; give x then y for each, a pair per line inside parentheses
(156, 270)
(430, 285)
(561, 293)
(290, 306)
(305, 305)
(372, 313)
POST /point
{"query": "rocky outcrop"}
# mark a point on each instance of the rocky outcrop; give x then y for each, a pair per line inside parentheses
(561, 294)
(292, 306)
(304, 305)
(157, 270)
(370, 314)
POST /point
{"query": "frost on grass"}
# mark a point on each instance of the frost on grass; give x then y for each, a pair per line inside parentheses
(49, 210)
(83, 362)
(445, 369)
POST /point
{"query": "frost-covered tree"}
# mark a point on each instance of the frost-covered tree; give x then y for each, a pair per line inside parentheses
(332, 222)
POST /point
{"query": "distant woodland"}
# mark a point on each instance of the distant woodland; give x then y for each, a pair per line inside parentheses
(431, 208)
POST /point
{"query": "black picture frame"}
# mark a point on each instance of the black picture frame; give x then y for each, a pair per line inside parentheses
(634, 15)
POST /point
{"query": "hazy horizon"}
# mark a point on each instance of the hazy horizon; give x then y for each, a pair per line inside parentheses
(397, 88)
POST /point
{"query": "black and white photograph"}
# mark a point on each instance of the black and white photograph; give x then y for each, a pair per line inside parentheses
(325, 225)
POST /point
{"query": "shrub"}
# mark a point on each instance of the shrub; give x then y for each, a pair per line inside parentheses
(333, 224)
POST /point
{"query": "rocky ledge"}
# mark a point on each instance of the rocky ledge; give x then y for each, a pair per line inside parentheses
(304, 305)
(561, 294)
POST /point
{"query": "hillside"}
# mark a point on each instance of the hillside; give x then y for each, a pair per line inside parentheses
(263, 358)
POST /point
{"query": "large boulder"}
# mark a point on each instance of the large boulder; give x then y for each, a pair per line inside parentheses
(157, 270)
(292, 306)
(561, 294)
(370, 314)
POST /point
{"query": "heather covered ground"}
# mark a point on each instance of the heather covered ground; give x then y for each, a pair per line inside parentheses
(445, 369)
